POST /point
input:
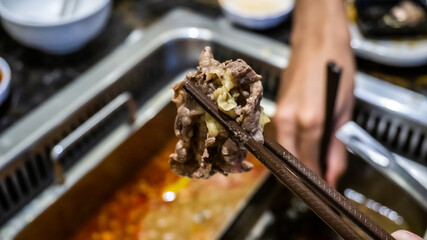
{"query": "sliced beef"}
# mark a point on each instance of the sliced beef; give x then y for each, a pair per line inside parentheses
(204, 147)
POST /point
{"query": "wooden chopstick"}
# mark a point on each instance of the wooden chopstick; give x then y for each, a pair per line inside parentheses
(295, 176)
(333, 76)
(333, 79)
(326, 192)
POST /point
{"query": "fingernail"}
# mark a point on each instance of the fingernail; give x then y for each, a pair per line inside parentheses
(405, 235)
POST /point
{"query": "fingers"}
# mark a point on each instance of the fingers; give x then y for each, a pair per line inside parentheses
(299, 121)
(300, 135)
(285, 126)
(405, 235)
(337, 162)
(299, 114)
(337, 153)
(310, 130)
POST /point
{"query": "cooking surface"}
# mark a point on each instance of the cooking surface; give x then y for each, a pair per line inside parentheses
(37, 76)
(157, 204)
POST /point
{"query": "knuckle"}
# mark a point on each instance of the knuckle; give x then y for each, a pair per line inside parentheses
(284, 116)
(309, 119)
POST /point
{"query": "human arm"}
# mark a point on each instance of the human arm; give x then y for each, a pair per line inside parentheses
(320, 34)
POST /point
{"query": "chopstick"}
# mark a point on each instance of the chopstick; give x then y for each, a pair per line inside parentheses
(333, 79)
(328, 193)
(310, 188)
(333, 76)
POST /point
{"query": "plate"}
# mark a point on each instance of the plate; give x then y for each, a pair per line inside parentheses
(401, 53)
(253, 15)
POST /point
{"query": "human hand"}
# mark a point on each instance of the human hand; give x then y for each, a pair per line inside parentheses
(405, 235)
(300, 111)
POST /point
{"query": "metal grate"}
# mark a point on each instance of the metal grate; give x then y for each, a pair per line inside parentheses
(32, 171)
(398, 133)
(21, 182)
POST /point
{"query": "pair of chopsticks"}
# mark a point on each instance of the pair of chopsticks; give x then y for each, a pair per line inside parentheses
(323, 200)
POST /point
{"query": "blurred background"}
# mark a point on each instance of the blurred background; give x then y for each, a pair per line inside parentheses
(86, 124)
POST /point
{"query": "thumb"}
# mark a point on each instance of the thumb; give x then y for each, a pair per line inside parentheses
(405, 235)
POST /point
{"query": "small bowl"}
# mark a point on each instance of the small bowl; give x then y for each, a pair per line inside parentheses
(4, 80)
(242, 13)
(40, 25)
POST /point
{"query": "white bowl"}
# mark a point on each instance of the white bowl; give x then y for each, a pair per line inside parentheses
(4, 80)
(243, 13)
(38, 23)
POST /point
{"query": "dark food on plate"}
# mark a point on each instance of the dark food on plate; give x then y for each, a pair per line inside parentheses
(391, 18)
(204, 147)
(405, 13)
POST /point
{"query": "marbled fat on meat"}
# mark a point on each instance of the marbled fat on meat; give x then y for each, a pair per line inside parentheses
(204, 147)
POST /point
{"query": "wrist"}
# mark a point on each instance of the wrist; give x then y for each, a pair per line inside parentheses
(319, 23)
(321, 39)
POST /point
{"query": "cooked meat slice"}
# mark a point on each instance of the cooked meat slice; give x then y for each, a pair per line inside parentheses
(204, 147)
